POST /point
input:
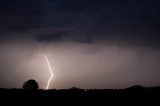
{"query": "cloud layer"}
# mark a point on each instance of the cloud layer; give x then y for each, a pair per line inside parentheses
(90, 43)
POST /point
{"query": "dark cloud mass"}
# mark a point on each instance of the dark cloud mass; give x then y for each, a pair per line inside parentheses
(77, 18)
(81, 32)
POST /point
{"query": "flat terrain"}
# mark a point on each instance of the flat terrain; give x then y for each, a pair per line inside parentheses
(75, 92)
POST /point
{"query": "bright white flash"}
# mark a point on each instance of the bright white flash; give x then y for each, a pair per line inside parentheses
(50, 69)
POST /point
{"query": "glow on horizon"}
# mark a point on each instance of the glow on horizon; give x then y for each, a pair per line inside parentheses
(50, 69)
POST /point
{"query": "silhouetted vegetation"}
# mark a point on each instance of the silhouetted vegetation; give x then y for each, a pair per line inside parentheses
(137, 91)
(31, 85)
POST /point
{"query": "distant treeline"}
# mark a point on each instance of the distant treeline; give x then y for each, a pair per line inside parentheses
(76, 92)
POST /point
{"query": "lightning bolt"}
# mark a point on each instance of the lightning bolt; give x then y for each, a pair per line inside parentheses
(50, 69)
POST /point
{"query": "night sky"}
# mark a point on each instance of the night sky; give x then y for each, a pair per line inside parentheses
(89, 43)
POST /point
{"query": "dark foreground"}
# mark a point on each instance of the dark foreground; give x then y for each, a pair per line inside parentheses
(75, 92)
(133, 94)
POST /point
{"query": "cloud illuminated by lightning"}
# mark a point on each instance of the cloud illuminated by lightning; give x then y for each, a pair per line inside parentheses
(50, 69)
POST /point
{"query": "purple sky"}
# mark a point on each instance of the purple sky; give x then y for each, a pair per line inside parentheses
(89, 43)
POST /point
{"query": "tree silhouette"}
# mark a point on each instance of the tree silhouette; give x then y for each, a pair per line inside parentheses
(31, 84)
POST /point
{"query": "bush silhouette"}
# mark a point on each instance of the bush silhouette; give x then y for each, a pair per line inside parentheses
(31, 85)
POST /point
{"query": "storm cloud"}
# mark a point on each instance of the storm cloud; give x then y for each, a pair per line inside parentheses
(82, 19)
(115, 41)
